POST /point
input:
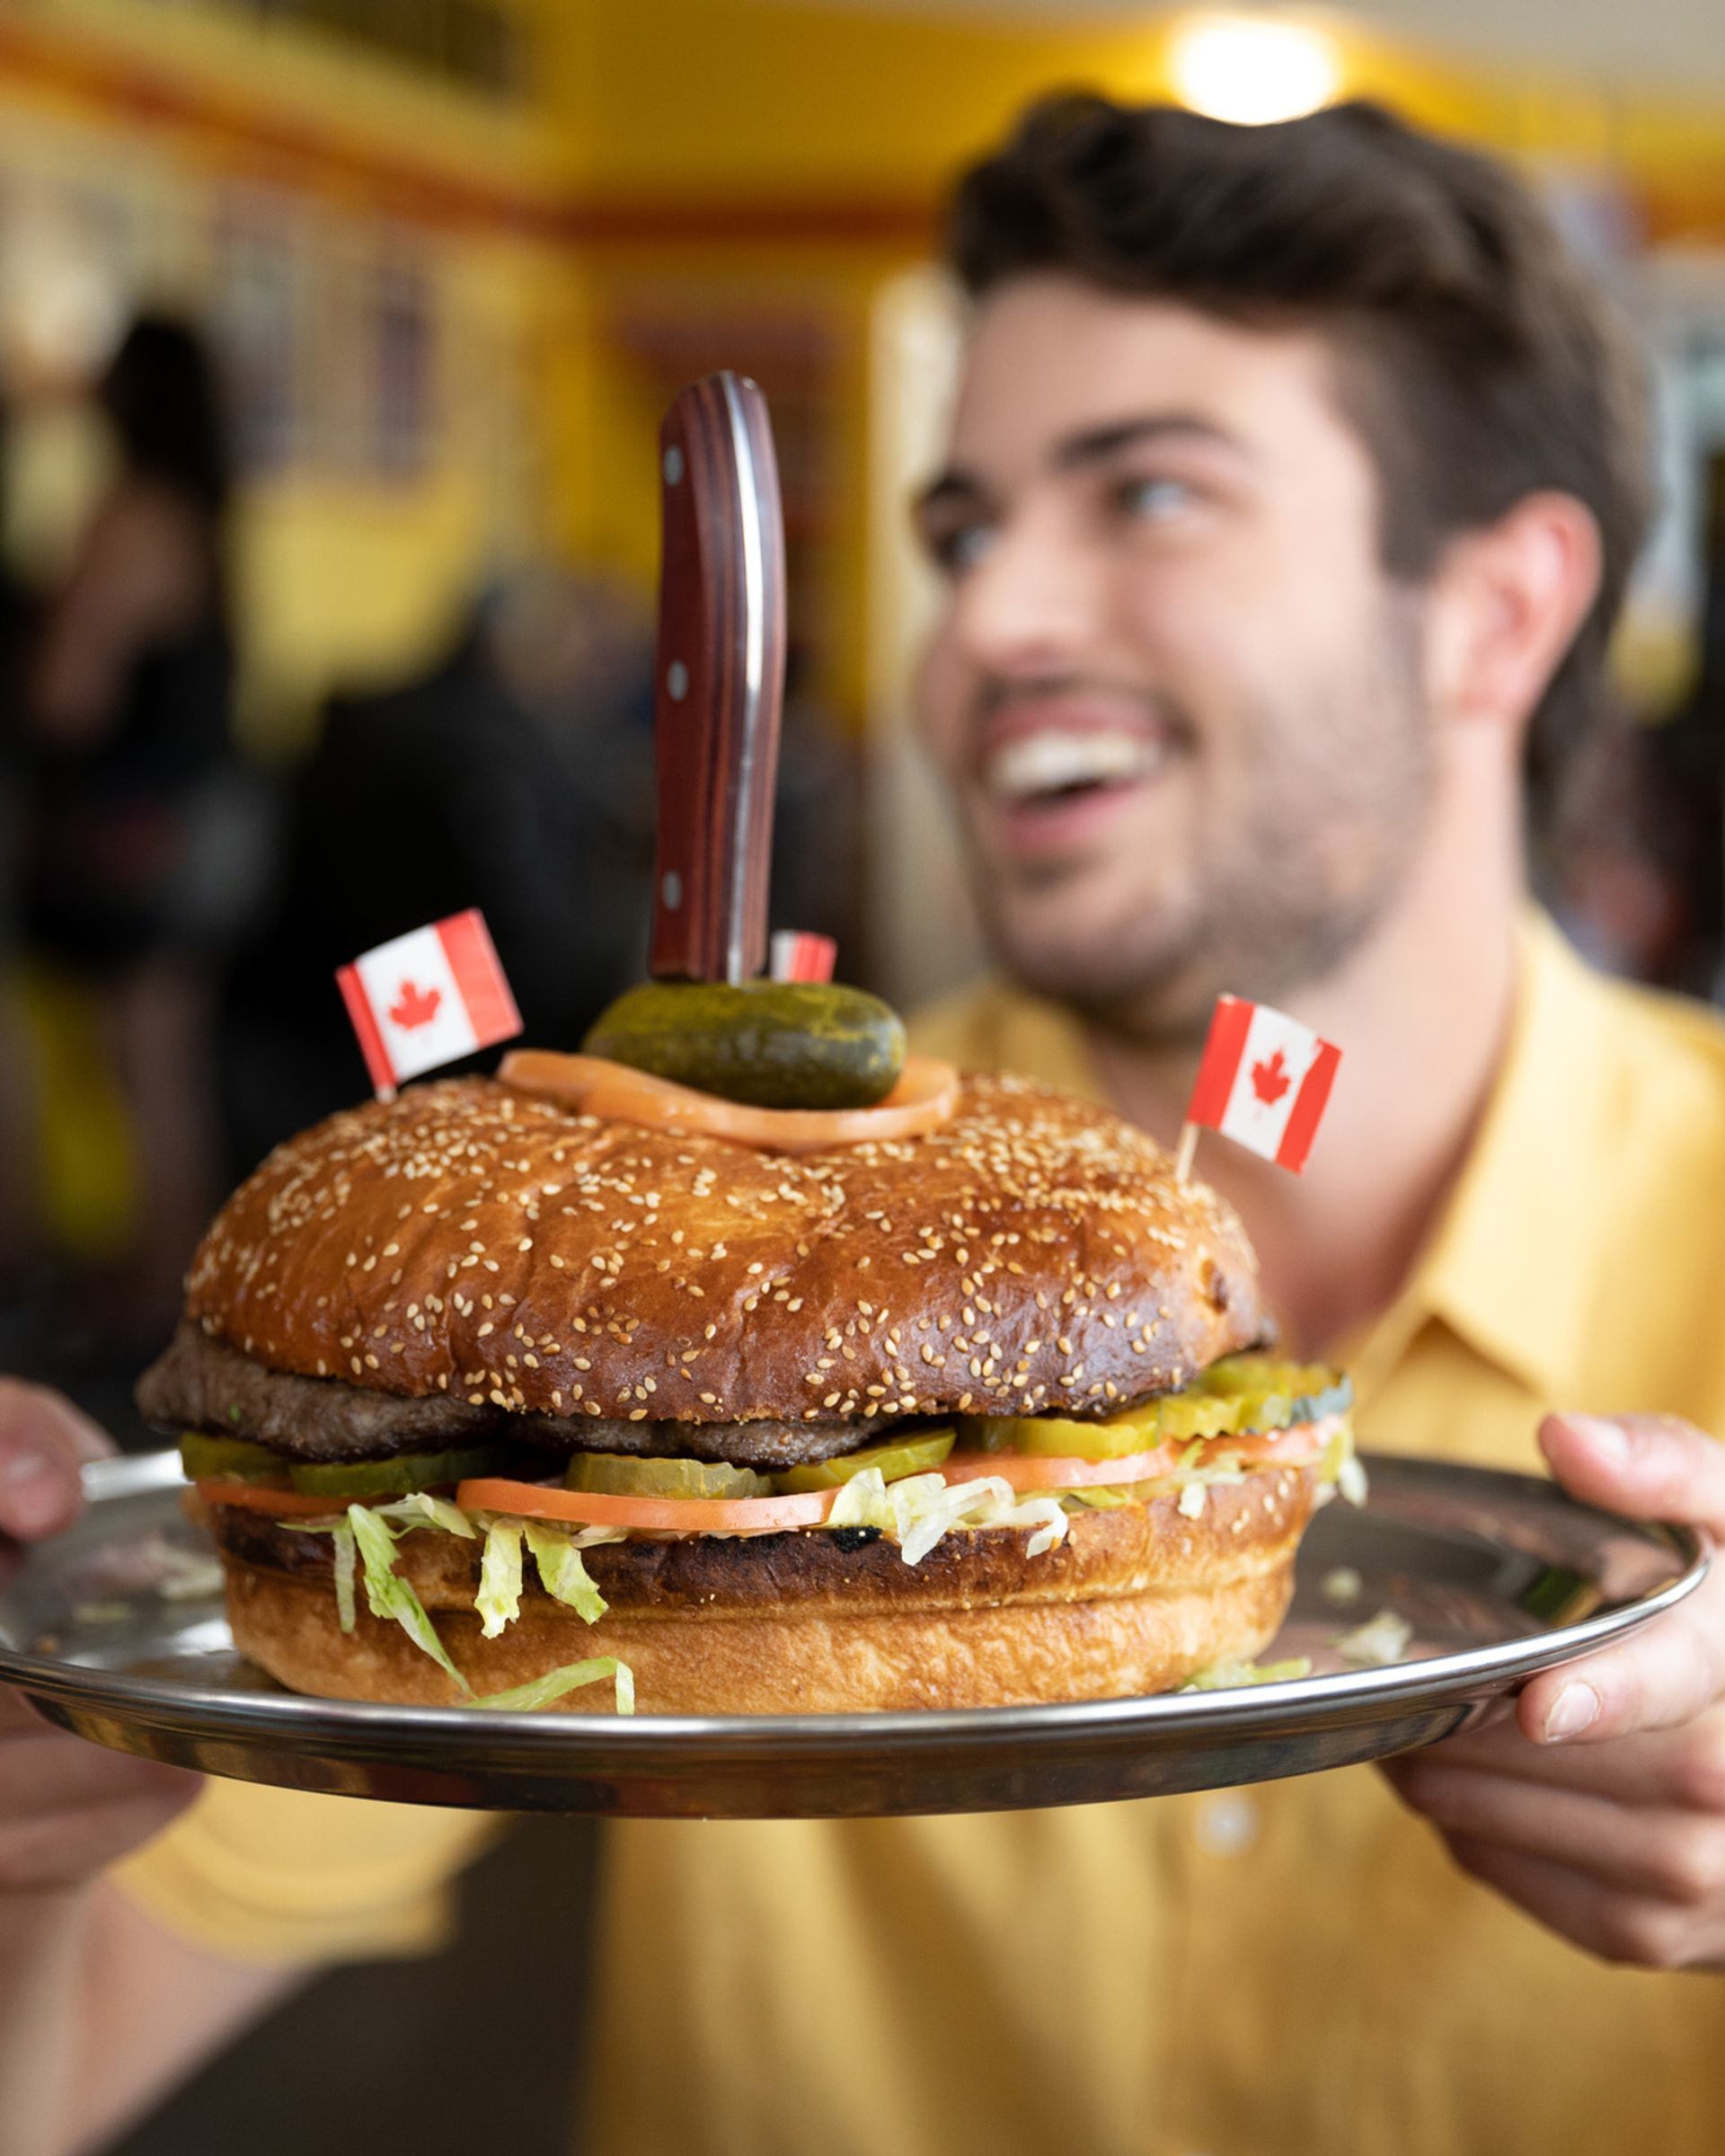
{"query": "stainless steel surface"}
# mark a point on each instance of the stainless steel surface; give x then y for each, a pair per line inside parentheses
(116, 1631)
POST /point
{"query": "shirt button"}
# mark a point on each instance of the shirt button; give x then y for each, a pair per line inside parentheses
(1226, 1824)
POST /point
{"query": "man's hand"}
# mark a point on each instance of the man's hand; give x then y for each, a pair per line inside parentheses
(68, 1809)
(1601, 1810)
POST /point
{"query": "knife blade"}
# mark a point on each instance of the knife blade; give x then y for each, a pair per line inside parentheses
(719, 689)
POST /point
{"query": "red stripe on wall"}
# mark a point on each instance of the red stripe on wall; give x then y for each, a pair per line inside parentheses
(1222, 1053)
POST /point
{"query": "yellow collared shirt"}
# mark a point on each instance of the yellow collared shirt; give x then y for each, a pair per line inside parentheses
(1295, 1969)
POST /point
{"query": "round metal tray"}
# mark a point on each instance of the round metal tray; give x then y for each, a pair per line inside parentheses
(115, 1630)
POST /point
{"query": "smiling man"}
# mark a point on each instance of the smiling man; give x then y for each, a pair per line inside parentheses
(1293, 486)
(1180, 763)
(1294, 482)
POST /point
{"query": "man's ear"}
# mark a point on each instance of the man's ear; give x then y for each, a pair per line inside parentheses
(1504, 607)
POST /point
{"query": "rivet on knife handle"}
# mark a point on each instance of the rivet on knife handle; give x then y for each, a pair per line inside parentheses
(720, 684)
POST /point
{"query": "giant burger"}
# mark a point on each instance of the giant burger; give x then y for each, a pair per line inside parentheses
(520, 1391)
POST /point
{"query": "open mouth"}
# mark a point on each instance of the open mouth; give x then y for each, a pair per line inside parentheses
(1055, 767)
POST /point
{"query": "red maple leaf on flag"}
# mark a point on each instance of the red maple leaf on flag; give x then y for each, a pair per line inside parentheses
(415, 1006)
(1269, 1081)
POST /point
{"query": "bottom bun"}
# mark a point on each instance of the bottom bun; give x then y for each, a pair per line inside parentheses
(1136, 1600)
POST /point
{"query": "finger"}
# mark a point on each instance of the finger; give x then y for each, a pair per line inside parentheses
(1668, 1856)
(1666, 1675)
(1604, 1920)
(1682, 1767)
(49, 1771)
(38, 1855)
(44, 1441)
(1651, 1467)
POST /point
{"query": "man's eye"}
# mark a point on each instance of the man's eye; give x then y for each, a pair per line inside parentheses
(960, 547)
(1152, 500)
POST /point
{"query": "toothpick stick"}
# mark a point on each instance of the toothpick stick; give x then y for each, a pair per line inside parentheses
(1188, 1147)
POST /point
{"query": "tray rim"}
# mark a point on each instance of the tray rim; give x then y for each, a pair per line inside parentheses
(1337, 1698)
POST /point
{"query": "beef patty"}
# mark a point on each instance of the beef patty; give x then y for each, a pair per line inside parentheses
(202, 1383)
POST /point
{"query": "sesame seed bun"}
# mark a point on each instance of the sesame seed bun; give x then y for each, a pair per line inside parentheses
(1035, 1254)
(516, 1268)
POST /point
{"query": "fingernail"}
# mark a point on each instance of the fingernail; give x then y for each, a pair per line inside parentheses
(33, 1492)
(1610, 1439)
(1575, 1709)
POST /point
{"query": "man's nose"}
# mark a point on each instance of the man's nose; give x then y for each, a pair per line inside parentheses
(1032, 600)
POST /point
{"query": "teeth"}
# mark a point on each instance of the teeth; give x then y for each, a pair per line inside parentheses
(1046, 762)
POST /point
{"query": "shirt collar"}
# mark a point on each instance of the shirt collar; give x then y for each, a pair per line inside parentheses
(1511, 1264)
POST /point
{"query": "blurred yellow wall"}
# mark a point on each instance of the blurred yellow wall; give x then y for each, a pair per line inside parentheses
(173, 119)
(705, 161)
(771, 146)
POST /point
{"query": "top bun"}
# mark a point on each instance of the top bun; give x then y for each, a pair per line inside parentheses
(1036, 1254)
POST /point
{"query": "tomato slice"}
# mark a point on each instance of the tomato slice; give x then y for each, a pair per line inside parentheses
(1294, 1447)
(676, 1516)
(286, 1504)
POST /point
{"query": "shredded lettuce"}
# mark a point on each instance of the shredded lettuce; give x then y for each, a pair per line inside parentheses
(547, 1690)
(561, 1572)
(1379, 1642)
(921, 1508)
(1340, 1465)
(1192, 1501)
(389, 1596)
(420, 1508)
(346, 1558)
(499, 1599)
(1230, 1676)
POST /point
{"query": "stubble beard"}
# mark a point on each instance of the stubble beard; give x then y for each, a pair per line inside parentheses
(1333, 788)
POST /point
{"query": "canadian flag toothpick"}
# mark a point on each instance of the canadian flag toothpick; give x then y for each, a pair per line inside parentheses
(798, 954)
(1263, 1083)
(426, 998)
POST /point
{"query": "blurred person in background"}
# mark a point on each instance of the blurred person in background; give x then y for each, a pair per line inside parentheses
(126, 722)
(19, 1210)
(1293, 483)
(513, 774)
(516, 774)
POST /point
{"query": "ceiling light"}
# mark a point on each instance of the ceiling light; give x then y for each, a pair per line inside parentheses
(1253, 68)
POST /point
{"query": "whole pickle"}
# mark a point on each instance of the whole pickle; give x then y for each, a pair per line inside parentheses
(770, 1044)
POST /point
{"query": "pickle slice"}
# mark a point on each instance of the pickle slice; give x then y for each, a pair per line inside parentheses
(615, 1474)
(1275, 1392)
(1191, 1414)
(1241, 1394)
(896, 1457)
(395, 1478)
(206, 1458)
(1139, 1430)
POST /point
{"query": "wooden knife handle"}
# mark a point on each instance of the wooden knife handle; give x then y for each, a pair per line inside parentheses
(721, 682)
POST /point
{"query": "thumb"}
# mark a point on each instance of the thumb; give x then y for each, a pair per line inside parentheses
(1650, 1467)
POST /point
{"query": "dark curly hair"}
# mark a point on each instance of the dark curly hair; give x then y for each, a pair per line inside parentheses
(1477, 359)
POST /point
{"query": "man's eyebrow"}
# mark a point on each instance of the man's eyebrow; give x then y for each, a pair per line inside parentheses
(1097, 443)
(954, 484)
(1094, 445)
